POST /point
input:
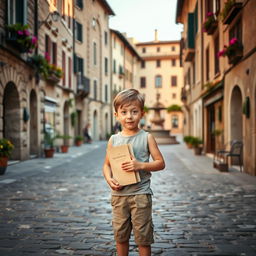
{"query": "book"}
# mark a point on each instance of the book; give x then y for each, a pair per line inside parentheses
(118, 155)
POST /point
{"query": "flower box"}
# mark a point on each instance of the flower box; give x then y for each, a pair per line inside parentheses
(212, 28)
(53, 78)
(231, 13)
(210, 24)
(12, 40)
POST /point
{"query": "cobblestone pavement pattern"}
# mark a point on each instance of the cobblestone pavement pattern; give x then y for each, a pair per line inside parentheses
(65, 209)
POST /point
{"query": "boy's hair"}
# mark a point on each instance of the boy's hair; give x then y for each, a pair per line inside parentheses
(126, 97)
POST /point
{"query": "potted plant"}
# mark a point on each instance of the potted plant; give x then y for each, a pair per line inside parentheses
(79, 140)
(21, 38)
(6, 148)
(234, 51)
(187, 139)
(64, 147)
(49, 145)
(197, 145)
(210, 23)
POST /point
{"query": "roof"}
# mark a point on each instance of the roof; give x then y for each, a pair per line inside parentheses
(126, 42)
(107, 7)
(158, 42)
(179, 10)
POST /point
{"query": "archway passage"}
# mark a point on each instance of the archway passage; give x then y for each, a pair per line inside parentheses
(33, 131)
(236, 118)
(12, 119)
(95, 125)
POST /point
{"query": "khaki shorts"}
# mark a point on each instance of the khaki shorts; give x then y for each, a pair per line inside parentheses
(133, 213)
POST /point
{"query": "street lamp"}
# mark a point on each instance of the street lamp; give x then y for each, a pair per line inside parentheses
(187, 87)
(55, 17)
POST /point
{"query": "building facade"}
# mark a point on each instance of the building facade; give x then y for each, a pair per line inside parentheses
(218, 47)
(161, 80)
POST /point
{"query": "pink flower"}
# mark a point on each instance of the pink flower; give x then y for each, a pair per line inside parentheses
(26, 32)
(233, 41)
(20, 32)
(47, 56)
(34, 40)
(221, 53)
(209, 14)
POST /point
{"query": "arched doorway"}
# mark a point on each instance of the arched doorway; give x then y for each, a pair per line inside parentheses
(66, 121)
(12, 119)
(236, 118)
(95, 125)
(33, 126)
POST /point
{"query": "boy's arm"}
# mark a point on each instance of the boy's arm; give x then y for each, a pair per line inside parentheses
(156, 165)
(107, 173)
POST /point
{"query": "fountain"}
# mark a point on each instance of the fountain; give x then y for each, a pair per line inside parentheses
(157, 129)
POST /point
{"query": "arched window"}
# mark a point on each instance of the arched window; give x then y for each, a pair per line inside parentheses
(175, 121)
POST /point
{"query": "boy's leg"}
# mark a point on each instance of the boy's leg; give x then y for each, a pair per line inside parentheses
(122, 248)
(144, 250)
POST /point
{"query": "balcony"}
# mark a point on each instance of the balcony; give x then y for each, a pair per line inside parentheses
(230, 13)
(83, 85)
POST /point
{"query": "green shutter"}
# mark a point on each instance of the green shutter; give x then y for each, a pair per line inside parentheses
(190, 35)
(20, 11)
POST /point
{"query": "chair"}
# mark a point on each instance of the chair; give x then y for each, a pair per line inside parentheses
(221, 156)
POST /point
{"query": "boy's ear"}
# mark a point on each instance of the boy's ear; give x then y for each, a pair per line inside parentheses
(115, 113)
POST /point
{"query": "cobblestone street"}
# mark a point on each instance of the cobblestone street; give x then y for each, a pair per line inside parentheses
(61, 207)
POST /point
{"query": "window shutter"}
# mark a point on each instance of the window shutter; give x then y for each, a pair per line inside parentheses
(20, 12)
(190, 35)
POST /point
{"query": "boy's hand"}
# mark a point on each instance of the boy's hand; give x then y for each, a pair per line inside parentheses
(114, 184)
(132, 165)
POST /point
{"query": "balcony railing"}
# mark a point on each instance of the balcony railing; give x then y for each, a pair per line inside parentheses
(83, 85)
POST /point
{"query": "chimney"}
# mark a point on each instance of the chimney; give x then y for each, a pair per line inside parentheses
(156, 35)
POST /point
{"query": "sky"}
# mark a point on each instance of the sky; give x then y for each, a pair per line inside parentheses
(140, 18)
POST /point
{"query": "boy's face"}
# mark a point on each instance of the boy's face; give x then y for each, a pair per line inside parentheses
(129, 116)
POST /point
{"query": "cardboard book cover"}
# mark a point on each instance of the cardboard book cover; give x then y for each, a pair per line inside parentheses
(118, 155)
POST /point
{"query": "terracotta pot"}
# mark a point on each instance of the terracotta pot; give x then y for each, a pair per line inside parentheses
(49, 153)
(64, 148)
(3, 164)
(78, 143)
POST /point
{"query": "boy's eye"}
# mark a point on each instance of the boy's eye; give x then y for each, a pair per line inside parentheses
(123, 112)
(135, 112)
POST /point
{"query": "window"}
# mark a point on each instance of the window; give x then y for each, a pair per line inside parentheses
(106, 93)
(143, 82)
(94, 53)
(174, 95)
(79, 65)
(236, 31)
(79, 3)
(144, 50)
(69, 72)
(64, 68)
(173, 62)
(143, 64)
(174, 81)
(114, 66)
(207, 64)
(158, 49)
(106, 37)
(94, 23)
(158, 63)
(95, 89)
(216, 58)
(158, 81)
(173, 48)
(54, 54)
(17, 11)
(79, 31)
(175, 121)
(106, 66)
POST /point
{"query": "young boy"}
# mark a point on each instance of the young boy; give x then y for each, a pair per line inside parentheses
(132, 204)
